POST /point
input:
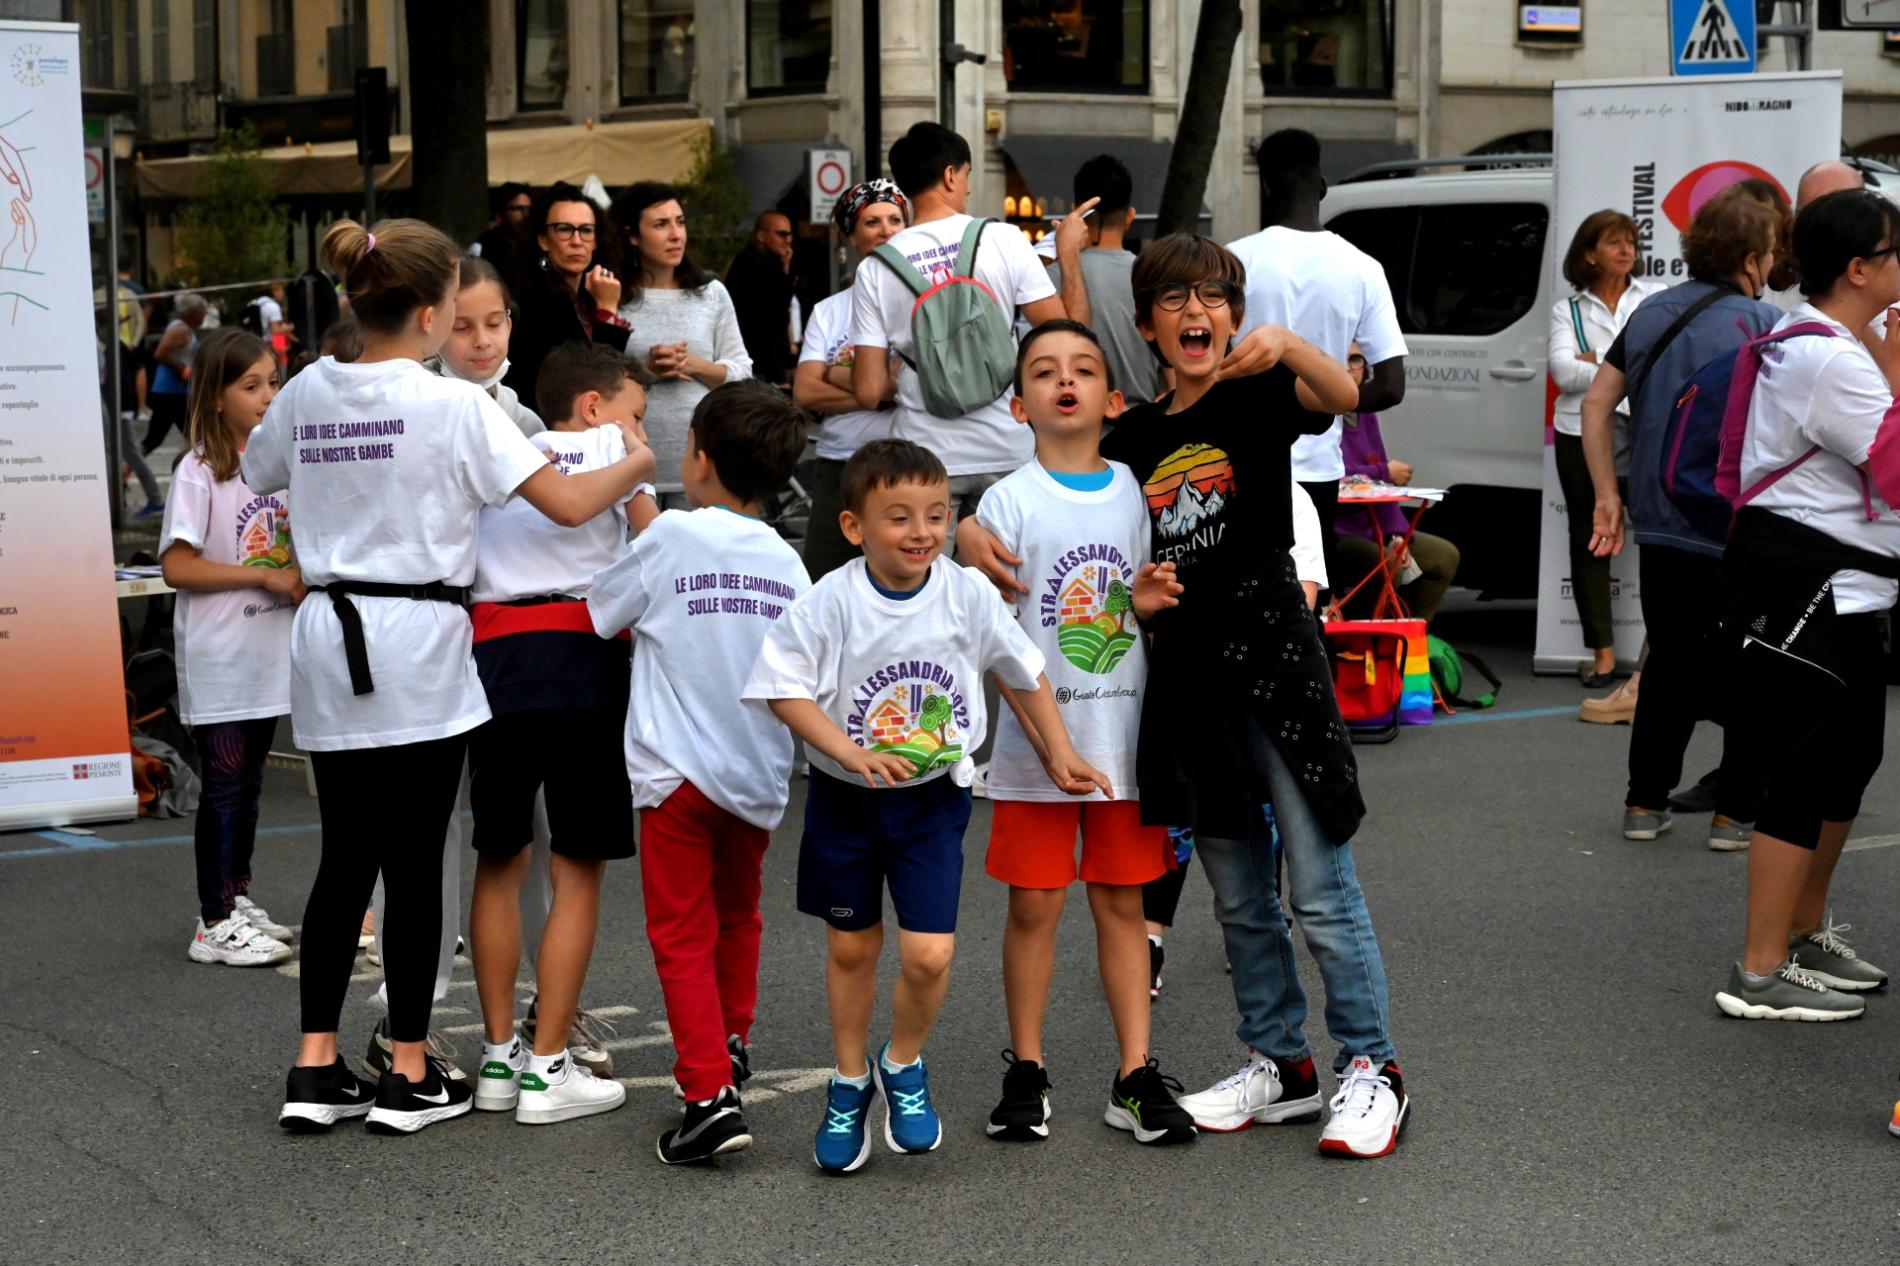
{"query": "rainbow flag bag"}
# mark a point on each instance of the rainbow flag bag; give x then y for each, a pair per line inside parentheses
(1381, 675)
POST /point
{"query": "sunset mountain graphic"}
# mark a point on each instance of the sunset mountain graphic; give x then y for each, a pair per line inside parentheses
(1190, 485)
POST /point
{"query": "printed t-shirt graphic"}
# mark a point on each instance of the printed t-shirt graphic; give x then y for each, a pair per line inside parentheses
(912, 710)
(1190, 487)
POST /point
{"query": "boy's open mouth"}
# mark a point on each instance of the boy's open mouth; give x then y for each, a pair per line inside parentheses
(1067, 402)
(1196, 340)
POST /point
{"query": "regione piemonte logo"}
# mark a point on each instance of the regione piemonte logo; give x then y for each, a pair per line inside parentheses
(26, 65)
(1682, 202)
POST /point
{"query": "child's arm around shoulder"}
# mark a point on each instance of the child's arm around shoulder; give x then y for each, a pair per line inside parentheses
(1323, 384)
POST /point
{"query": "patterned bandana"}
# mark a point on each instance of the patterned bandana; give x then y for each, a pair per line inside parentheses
(851, 202)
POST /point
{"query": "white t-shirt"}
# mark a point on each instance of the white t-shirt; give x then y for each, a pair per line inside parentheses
(1080, 553)
(269, 313)
(826, 339)
(1825, 391)
(1309, 548)
(988, 439)
(524, 554)
(233, 645)
(388, 465)
(1330, 293)
(699, 589)
(897, 674)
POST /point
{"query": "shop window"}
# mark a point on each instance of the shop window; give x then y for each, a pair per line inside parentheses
(1339, 48)
(656, 50)
(1075, 45)
(788, 46)
(541, 59)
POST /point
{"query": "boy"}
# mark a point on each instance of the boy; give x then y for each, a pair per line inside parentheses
(879, 670)
(699, 591)
(1106, 265)
(1078, 525)
(1239, 665)
(558, 695)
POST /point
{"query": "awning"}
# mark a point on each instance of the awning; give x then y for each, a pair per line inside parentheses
(1048, 165)
(619, 153)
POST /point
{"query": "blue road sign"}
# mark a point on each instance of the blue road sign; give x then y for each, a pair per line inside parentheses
(1712, 37)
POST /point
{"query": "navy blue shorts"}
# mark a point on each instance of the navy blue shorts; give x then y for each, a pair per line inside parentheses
(858, 839)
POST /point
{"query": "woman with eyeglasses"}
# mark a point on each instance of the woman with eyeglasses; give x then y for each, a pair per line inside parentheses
(689, 333)
(571, 292)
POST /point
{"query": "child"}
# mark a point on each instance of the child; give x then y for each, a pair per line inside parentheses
(390, 466)
(709, 780)
(879, 670)
(1240, 664)
(559, 696)
(1078, 525)
(227, 552)
(477, 348)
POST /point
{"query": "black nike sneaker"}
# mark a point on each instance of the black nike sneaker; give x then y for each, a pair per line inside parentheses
(404, 1106)
(712, 1127)
(1141, 1104)
(317, 1098)
(1022, 1114)
(741, 1059)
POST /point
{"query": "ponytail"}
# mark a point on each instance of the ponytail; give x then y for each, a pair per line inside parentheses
(390, 271)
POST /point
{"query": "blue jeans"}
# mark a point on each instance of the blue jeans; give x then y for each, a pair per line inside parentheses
(233, 754)
(1323, 892)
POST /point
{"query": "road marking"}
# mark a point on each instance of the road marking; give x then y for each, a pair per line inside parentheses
(1522, 714)
(766, 1083)
(1870, 841)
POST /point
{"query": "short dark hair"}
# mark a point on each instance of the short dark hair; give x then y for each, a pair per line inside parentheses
(1834, 230)
(1288, 158)
(502, 194)
(753, 434)
(919, 157)
(1061, 325)
(574, 368)
(1596, 226)
(1726, 230)
(476, 270)
(1186, 259)
(882, 463)
(1106, 177)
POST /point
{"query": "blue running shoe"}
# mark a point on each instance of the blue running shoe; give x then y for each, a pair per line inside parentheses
(843, 1143)
(911, 1123)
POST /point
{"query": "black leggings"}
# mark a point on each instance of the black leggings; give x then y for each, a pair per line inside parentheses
(384, 809)
(233, 755)
(168, 410)
(1160, 898)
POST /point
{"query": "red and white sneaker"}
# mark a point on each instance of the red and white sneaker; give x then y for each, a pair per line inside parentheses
(1266, 1091)
(1369, 1111)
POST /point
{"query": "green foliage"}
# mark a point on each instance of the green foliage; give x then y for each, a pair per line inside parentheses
(717, 224)
(234, 230)
(935, 714)
(1117, 603)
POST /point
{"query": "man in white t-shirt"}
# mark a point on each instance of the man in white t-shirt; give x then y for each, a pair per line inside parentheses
(1324, 289)
(931, 164)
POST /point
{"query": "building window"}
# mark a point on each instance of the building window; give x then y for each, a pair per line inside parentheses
(541, 54)
(788, 46)
(346, 45)
(1075, 45)
(204, 41)
(96, 44)
(161, 41)
(656, 50)
(1339, 48)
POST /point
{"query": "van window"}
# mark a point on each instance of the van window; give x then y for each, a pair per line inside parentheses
(1479, 274)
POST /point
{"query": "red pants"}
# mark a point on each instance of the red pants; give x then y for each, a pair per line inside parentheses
(699, 870)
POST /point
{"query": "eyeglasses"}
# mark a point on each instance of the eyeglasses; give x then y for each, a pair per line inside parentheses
(561, 231)
(1213, 293)
(1893, 249)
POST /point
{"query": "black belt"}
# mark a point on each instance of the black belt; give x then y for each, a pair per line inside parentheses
(355, 652)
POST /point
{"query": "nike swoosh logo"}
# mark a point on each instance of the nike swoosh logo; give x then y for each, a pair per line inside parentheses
(354, 1092)
(440, 1097)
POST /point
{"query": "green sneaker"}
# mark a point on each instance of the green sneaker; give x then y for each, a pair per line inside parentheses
(1827, 957)
(1789, 993)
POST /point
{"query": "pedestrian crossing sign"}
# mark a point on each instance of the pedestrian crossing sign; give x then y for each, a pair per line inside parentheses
(1712, 37)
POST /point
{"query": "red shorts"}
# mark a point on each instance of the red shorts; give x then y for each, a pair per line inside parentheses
(1032, 843)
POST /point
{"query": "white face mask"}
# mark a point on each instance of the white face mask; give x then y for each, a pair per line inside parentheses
(486, 384)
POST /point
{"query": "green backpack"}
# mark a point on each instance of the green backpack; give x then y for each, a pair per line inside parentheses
(965, 357)
(1448, 674)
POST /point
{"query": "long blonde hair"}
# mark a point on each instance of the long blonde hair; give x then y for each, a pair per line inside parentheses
(221, 360)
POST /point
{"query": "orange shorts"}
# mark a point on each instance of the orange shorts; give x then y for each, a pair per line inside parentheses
(1032, 843)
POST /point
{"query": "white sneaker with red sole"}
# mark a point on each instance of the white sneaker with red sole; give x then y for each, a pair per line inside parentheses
(1368, 1113)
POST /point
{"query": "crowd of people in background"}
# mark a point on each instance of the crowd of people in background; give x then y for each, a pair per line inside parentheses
(575, 430)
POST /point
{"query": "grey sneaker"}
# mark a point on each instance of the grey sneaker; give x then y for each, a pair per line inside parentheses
(1827, 957)
(1729, 836)
(1788, 994)
(1645, 824)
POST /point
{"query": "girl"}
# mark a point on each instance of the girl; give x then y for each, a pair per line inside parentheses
(390, 466)
(477, 348)
(688, 329)
(227, 552)
(572, 292)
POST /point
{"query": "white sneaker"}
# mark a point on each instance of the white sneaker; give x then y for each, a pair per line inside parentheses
(498, 1084)
(1368, 1112)
(235, 943)
(1264, 1091)
(261, 920)
(578, 1093)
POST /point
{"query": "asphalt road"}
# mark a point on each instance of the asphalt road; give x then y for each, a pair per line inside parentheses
(1576, 1096)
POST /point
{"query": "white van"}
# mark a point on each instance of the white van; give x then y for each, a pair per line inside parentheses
(1470, 255)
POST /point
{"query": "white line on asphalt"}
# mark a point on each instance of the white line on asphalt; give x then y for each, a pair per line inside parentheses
(1871, 841)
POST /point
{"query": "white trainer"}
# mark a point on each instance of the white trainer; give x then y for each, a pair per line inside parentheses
(261, 920)
(577, 1093)
(1259, 1094)
(498, 1084)
(1368, 1112)
(235, 943)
